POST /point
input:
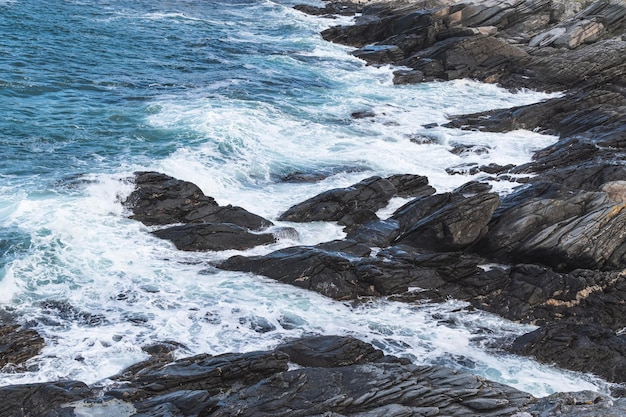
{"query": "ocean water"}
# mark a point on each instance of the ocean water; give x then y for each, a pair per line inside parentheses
(233, 96)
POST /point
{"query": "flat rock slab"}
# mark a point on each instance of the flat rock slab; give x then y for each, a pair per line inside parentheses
(213, 237)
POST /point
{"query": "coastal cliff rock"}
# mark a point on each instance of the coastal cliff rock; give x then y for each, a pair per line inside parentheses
(536, 44)
(565, 229)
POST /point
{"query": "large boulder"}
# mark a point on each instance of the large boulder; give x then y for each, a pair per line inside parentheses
(453, 227)
(343, 204)
(159, 199)
(567, 230)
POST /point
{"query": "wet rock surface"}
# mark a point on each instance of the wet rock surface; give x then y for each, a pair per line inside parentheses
(321, 375)
(159, 199)
(358, 203)
(213, 236)
(18, 345)
(45, 399)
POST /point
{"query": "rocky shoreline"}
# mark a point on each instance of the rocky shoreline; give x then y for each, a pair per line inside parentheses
(556, 247)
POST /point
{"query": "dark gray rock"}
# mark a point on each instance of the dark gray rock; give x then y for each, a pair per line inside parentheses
(453, 227)
(586, 347)
(379, 54)
(346, 246)
(578, 404)
(212, 374)
(329, 351)
(341, 204)
(18, 345)
(378, 233)
(159, 199)
(394, 271)
(568, 230)
(43, 399)
(422, 207)
(372, 389)
(408, 185)
(328, 273)
(576, 112)
(178, 403)
(475, 57)
(213, 237)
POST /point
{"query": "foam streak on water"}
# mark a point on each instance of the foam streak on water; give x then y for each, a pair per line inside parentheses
(233, 96)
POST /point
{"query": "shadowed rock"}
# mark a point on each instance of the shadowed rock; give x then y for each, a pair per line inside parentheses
(341, 204)
(453, 227)
(159, 199)
(587, 347)
(213, 237)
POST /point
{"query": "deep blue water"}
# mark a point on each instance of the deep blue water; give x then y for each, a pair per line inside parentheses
(232, 95)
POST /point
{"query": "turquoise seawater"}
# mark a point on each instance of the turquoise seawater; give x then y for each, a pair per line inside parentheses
(234, 96)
